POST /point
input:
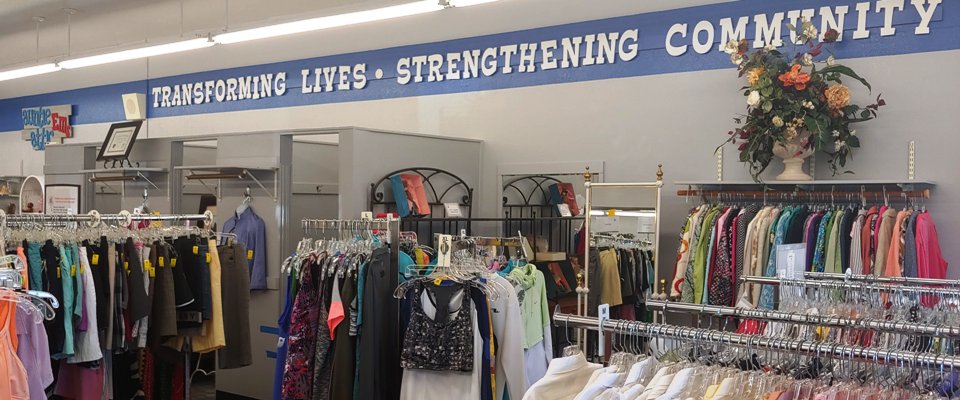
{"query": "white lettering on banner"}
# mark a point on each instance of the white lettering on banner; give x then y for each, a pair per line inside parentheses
(768, 28)
(250, 87)
(583, 51)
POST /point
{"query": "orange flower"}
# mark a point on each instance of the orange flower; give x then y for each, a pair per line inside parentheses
(838, 96)
(795, 78)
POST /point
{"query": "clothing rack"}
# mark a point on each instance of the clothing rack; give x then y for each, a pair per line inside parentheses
(94, 218)
(621, 238)
(797, 195)
(763, 280)
(820, 320)
(802, 347)
(831, 276)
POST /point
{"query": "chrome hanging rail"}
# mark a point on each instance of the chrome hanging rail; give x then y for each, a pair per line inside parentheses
(94, 218)
(820, 320)
(831, 276)
(879, 287)
(803, 347)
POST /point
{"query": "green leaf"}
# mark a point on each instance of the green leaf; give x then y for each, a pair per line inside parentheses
(767, 106)
(842, 69)
(853, 141)
(766, 91)
(791, 27)
(865, 114)
(814, 125)
(745, 156)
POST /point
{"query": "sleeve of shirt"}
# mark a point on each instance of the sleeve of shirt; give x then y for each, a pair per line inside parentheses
(545, 312)
(228, 227)
(258, 270)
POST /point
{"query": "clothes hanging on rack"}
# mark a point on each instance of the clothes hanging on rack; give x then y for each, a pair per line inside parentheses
(251, 232)
(121, 294)
(876, 240)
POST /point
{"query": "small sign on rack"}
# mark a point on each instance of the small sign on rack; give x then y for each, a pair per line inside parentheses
(564, 210)
(453, 210)
(444, 248)
(366, 216)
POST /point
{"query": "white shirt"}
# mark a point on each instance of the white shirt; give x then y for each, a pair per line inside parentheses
(657, 387)
(605, 381)
(677, 385)
(508, 328)
(566, 377)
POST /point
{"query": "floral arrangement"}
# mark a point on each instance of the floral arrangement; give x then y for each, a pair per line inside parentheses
(796, 98)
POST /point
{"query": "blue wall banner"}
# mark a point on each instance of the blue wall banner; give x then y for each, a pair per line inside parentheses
(681, 40)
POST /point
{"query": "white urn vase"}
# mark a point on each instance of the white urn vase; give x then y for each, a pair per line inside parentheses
(794, 155)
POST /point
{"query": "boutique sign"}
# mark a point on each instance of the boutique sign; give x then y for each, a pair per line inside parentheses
(44, 125)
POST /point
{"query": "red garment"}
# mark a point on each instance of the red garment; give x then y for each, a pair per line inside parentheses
(79, 383)
(416, 194)
(930, 262)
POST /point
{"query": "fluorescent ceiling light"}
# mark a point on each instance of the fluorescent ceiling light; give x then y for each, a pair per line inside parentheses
(28, 71)
(142, 52)
(468, 3)
(333, 21)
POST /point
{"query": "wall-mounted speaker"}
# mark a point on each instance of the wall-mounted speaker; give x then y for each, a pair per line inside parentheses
(135, 106)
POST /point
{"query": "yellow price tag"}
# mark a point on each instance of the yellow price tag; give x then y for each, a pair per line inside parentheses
(162, 262)
(437, 281)
(126, 266)
(196, 250)
(611, 213)
(249, 254)
(173, 262)
(73, 269)
(58, 272)
(95, 260)
(152, 272)
(208, 258)
(147, 264)
(81, 268)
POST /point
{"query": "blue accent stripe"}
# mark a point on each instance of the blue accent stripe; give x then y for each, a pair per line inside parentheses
(102, 103)
(272, 330)
(272, 354)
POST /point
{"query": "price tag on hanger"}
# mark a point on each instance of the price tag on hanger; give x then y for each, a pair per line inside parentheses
(453, 210)
(603, 314)
(249, 255)
(196, 250)
(162, 262)
(366, 216)
(73, 269)
(209, 258)
(173, 262)
(444, 248)
(147, 265)
(564, 210)
(95, 260)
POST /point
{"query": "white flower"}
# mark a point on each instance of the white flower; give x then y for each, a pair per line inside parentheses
(807, 59)
(808, 105)
(840, 145)
(769, 47)
(736, 58)
(831, 61)
(810, 31)
(853, 132)
(777, 121)
(836, 133)
(732, 47)
(753, 99)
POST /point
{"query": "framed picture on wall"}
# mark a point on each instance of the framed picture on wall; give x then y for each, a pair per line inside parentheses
(119, 141)
(62, 199)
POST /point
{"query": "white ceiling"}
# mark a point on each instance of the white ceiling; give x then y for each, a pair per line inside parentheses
(103, 24)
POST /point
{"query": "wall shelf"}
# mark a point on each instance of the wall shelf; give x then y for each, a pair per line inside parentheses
(129, 174)
(202, 173)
